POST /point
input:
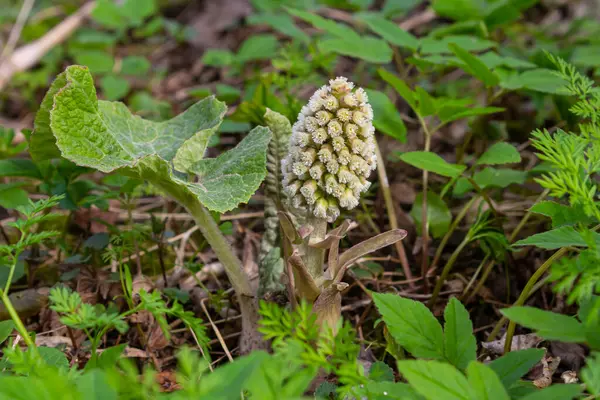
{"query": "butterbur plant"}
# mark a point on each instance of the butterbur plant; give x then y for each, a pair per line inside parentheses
(72, 123)
(331, 155)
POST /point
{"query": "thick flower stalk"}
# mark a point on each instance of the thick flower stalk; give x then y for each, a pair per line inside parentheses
(331, 151)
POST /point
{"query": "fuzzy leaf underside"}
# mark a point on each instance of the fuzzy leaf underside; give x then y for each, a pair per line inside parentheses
(106, 136)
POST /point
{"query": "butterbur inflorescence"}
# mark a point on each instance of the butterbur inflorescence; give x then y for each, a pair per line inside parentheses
(331, 151)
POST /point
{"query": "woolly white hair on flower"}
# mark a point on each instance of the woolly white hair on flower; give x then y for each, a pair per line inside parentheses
(332, 150)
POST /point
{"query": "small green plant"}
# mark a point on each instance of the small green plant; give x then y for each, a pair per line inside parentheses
(33, 215)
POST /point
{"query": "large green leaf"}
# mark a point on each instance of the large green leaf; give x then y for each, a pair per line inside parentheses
(412, 325)
(367, 48)
(435, 380)
(460, 344)
(106, 136)
(562, 215)
(94, 385)
(556, 392)
(474, 66)
(485, 384)
(549, 325)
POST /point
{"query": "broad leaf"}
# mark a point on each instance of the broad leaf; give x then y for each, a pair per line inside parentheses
(460, 345)
(381, 372)
(556, 392)
(539, 79)
(386, 118)
(412, 325)
(554, 239)
(439, 216)
(388, 30)
(500, 153)
(339, 30)
(549, 325)
(19, 167)
(431, 162)
(390, 391)
(435, 380)
(512, 366)
(106, 136)
(94, 385)
(491, 177)
(430, 45)
(485, 383)
(562, 215)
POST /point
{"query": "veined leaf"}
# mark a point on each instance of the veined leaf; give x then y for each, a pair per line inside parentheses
(549, 325)
(431, 162)
(435, 380)
(512, 366)
(412, 325)
(500, 153)
(561, 215)
(556, 392)
(386, 118)
(554, 239)
(106, 136)
(485, 383)
(459, 342)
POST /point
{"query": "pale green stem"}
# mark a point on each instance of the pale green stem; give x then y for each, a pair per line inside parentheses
(251, 338)
(446, 270)
(523, 298)
(16, 320)
(475, 275)
(314, 257)
(453, 227)
(424, 221)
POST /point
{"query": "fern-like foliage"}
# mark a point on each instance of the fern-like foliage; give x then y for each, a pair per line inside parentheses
(296, 335)
(575, 159)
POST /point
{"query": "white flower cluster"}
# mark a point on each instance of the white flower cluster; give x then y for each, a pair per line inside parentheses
(331, 151)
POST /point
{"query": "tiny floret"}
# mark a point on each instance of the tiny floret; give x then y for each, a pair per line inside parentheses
(332, 151)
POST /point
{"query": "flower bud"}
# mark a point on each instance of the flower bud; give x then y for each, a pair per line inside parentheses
(332, 151)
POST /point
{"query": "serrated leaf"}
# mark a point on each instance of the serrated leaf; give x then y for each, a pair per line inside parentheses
(562, 215)
(591, 373)
(412, 325)
(512, 366)
(431, 162)
(386, 118)
(230, 179)
(381, 372)
(106, 136)
(459, 342)
(485, 383)
(500, 153)
(547, 324)
(554, 239)
(556, 392)
(53, 357)
(388, 30)
(94, 385)
(435, 380)
(475, 66)
(439, 216)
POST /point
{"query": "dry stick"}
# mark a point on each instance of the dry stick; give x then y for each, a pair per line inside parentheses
(217, 332)
(27, 56)
(424, 221)
(15, 33)
(391, 211)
